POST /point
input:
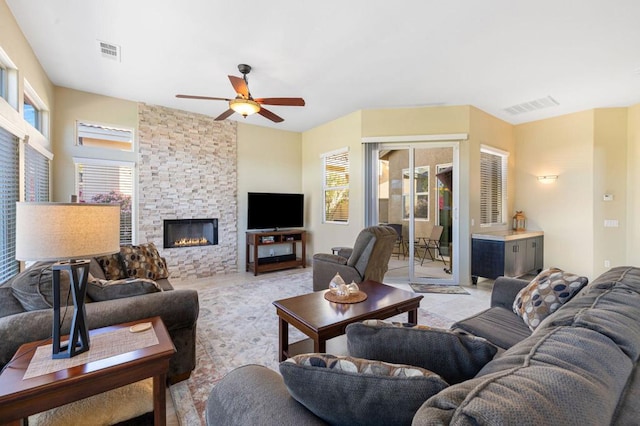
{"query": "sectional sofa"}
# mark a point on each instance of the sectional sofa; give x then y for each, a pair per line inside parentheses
(578, 367)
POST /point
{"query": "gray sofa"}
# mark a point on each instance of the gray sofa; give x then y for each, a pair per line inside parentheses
(579, 367)
(177, 308)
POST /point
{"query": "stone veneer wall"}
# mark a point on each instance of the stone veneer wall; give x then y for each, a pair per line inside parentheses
(187, 170)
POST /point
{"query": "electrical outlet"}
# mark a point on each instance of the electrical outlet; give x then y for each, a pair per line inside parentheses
(607, 264)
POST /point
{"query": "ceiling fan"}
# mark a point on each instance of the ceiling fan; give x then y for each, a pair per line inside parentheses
(244, 104)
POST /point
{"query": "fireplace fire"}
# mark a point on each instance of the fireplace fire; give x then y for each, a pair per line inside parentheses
(179, 233)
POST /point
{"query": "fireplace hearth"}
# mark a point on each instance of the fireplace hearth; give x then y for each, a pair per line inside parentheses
(181, 233)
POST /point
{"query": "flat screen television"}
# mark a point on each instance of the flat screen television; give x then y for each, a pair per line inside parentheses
(272, 211)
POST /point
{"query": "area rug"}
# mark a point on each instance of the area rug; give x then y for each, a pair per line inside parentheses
(438, 288)
(238, 325)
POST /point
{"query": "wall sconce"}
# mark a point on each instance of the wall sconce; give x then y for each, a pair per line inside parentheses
(548, 179)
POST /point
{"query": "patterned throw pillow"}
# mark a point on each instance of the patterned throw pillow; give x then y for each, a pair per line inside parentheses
(112, 266)
(143, 261)
(545, 294)
(354, 391)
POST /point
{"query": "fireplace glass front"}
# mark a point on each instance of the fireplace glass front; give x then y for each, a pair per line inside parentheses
(190, 232)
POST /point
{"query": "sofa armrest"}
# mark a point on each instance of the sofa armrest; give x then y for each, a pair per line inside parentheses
(505, 290)
(178, 310)
(254, 394)
(329, 258)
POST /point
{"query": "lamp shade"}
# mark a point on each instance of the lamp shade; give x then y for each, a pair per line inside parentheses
(244, 107)
(57, 231)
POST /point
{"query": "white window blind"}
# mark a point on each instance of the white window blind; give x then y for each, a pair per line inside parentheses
(9, 195)
(36, 176)
(493, 186)
(336, 186)
(102, 182)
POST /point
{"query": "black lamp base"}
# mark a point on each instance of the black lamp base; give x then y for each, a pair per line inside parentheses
(78, 335)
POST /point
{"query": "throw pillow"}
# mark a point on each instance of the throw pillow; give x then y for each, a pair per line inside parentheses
(112, 266)
(545, 294)
(453, 354)
(33, 287)
(143, 261)
(344, 390)
(100, 290)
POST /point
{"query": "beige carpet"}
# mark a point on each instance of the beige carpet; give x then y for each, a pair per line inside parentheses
(238, 325)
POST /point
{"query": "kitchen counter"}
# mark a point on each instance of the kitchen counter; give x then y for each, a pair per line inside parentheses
(507, 235)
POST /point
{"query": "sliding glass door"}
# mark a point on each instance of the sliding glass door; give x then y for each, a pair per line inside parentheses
(412, 188)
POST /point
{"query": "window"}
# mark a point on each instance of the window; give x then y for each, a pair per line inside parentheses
(493, 186)
(102, 136)
(32, 113)
(103, 181)
(8, 80)
(4, 84)
(9, 195)
(336, 186)
(36, 175)
(421, 199)
(34, 110)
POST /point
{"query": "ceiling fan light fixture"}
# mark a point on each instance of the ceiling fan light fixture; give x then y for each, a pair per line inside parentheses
(244, 107)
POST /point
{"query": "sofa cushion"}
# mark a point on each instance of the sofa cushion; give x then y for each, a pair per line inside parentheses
(100, 290)
(549, 290)
(143, 261)
(112, 266)
(570, 375)
(499, 325)
(352, 391)
(9, 305)
(33, 287)
(453, 355)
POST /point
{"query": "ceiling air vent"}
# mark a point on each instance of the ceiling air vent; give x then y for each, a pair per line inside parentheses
(532, 106)
(109, 50)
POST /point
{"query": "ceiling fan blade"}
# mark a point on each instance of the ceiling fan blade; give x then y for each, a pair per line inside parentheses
(281, 101)
(225, 114)
(239, 86)
(271, 116)
(208, 98)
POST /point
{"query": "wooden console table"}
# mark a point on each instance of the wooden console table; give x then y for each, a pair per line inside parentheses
(257, 239)
(20, 397)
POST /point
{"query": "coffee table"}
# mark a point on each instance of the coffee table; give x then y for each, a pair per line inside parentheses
(20, 398)
(322, 320)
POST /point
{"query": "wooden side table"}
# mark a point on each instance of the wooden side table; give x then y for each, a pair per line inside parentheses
(20, 398)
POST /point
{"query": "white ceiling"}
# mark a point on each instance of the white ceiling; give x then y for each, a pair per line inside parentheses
(342, 56)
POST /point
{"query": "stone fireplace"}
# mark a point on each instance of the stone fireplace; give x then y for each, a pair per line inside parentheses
(180, 233)
(187, 169)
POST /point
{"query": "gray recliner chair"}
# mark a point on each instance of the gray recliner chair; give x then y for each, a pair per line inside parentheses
(367, 260)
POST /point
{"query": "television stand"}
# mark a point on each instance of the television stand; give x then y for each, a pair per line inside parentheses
(257, 239)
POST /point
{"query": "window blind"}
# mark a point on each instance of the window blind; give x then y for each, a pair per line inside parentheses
(9, 195)
(36, 176)
(336, 186)
(493, 188)
(104, 183)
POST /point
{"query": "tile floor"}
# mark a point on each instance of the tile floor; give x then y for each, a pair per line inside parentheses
(454, 306)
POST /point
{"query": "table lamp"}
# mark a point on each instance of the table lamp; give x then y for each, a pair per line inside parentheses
(65, 233)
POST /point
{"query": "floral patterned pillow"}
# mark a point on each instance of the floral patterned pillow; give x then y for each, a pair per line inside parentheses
(545, 294)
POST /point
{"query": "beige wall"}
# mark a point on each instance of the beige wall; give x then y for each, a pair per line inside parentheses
(15, 45)
(562, 146)
(633, 188)
(343, 132)
(269, 160)
(73, 105)
(609, 177)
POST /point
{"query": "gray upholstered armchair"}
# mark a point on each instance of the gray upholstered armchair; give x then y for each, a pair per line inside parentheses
(367, 260)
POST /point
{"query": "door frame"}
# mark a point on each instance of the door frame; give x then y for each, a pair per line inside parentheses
(372, 147)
